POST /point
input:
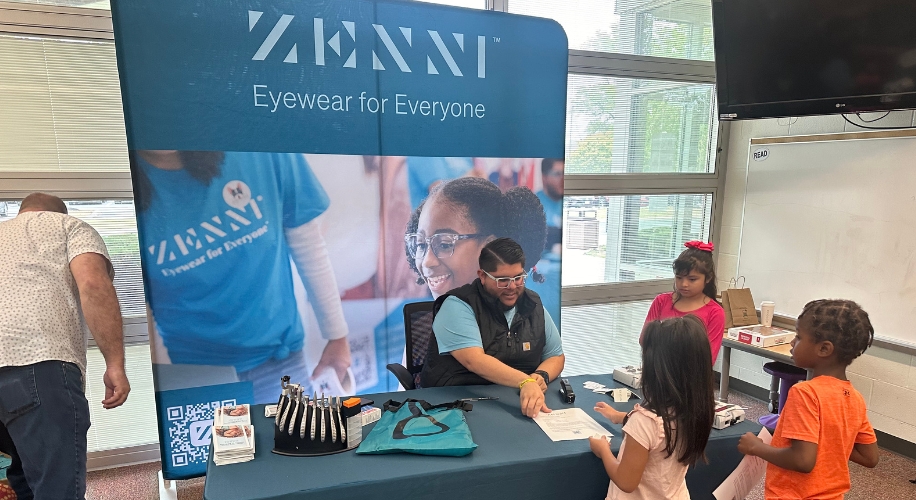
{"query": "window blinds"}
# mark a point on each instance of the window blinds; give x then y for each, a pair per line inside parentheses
(60, 106)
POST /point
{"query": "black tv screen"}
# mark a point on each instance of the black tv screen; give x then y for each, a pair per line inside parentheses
(814, 57)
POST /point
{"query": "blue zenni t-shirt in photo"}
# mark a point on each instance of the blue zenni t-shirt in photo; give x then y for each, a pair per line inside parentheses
(216, 262)
(553, 209)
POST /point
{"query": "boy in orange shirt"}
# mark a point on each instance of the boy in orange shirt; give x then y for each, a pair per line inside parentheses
(824, 423)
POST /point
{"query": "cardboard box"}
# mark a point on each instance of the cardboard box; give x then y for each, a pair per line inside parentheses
(761, 336)
(370, 414)
(727, 415)
(629, 376)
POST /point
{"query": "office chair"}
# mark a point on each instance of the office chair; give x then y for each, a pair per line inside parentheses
(418, 327)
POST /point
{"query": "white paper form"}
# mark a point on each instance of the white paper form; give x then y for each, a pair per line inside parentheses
(568, 424)
(748, 473)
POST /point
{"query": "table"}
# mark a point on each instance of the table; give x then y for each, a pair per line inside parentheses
(780, 352)
(514, 458)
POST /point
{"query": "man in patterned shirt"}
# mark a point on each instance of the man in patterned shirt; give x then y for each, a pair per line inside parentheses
(55, 287)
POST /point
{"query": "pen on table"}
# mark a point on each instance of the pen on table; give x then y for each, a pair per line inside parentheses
(487, 398)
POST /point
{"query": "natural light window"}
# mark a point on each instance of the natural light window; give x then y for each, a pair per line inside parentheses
(623, 125)
(680, 29)
(618, 239)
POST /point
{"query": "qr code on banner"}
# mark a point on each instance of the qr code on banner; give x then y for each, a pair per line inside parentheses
(190, 427)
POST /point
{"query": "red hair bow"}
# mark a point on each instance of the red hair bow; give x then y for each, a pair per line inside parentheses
(699, 245)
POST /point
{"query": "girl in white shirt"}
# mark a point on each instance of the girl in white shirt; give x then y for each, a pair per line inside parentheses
(668, 433)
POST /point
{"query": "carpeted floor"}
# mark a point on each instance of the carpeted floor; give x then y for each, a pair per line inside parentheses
(888, 481)
(137, 482)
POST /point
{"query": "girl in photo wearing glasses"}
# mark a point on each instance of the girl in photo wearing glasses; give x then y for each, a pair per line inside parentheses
(448, 230)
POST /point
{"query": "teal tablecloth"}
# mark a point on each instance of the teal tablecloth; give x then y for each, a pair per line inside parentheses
(514, 460)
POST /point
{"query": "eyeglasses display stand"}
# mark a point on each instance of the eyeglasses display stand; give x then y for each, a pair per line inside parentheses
(313, 425)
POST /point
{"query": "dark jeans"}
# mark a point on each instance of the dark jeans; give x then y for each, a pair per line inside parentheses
(44, 417)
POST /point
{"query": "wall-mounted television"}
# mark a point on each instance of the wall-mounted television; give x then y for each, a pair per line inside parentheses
(814, 57)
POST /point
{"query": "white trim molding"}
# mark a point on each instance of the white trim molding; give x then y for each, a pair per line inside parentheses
(45, 20)
(646, 67)
(614, 292)
(621, 184)
(68, 185)
(122, 457)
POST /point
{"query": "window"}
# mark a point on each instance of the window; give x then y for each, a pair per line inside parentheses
(679, 29)
(132, 424)
(614, 239)
(624, 125)
(60, 106)
(641, 177)
(594, 334)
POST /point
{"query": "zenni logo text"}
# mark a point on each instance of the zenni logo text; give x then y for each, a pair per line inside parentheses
(442, 57)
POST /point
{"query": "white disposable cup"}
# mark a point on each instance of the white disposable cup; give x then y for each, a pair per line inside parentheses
(766, 312)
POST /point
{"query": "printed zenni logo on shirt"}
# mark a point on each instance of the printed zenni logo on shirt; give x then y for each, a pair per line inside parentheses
(236, 194)
(215, 236)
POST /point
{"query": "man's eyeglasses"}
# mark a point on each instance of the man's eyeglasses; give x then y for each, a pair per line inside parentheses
(505, 282)
(443, 244)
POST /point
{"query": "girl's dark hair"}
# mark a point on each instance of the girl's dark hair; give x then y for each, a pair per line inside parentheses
(516, 214)
(201, 165)
(677, 384)
(694, 259)
(843, 322)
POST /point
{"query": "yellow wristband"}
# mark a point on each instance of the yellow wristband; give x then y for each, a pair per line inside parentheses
(523, 382)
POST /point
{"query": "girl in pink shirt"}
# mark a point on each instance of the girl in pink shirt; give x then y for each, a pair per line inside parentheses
(694, 293)
(668, 431)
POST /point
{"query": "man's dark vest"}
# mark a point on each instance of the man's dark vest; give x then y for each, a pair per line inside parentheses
(519, 346)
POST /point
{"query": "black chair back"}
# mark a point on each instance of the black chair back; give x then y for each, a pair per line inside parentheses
(418, 328)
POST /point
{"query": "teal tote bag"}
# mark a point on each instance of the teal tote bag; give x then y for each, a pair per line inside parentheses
(416, 426)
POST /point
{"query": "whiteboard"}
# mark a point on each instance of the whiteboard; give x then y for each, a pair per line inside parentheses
(834, 217)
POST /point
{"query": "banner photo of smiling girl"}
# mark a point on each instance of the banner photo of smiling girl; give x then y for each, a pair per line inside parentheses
(304, 169)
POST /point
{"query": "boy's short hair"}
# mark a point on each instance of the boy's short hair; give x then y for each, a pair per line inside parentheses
(843, 322)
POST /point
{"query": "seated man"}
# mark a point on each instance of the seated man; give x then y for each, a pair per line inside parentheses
(495, 331)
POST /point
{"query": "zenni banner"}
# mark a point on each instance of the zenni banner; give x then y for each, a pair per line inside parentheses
(303, 169)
